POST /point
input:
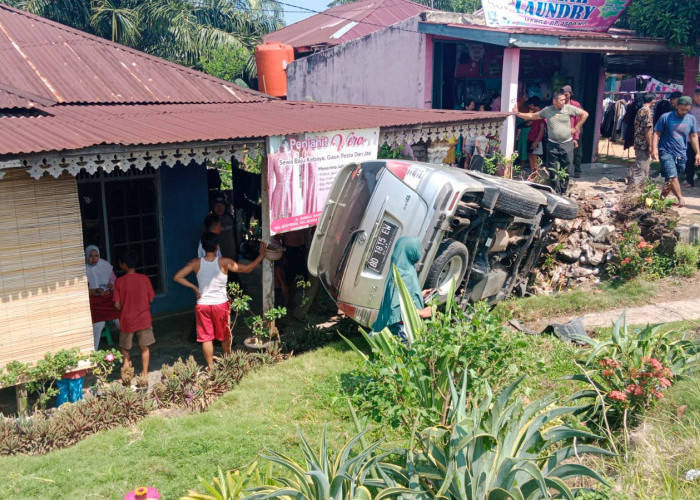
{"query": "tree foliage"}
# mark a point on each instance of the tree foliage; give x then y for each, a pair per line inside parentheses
(678, 21)
(187, 32)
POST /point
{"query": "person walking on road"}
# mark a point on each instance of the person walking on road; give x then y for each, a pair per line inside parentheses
(672, 134)
(643, 131)
(690, 162)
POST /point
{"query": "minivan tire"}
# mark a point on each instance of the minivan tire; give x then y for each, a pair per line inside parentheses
(514, 198)
(450, 262)
(563, 207)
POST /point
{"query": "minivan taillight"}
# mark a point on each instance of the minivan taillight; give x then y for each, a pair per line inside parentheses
(359, 314)
(410, 173)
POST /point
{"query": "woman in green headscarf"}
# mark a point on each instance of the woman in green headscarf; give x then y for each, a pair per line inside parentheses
(406, 254)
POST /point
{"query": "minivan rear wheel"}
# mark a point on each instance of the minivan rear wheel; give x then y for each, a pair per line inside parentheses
(450, 263)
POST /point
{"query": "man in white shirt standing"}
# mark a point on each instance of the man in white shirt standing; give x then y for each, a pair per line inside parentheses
(213, 311)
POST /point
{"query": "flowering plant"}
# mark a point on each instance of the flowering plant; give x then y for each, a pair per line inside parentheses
(636, 255)
(627, 373)
(630, 386)
(104, 363)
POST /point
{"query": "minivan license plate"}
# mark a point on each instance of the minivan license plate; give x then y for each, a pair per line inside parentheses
(381, 247)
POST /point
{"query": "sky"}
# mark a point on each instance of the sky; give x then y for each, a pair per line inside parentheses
(294, 14)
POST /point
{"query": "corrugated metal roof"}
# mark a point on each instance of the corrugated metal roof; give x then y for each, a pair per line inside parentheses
(74, 127)
(10, 100)
(345, 22)
(65, 65)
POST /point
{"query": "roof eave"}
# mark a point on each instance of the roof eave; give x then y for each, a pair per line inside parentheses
(619, 44)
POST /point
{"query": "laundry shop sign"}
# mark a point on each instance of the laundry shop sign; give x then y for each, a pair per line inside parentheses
(586, 15)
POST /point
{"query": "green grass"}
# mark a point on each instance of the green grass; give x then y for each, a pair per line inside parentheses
(607, 296)
(665, 447)
(170, 453)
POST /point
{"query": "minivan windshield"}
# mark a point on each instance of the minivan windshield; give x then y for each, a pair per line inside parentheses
(347, 218)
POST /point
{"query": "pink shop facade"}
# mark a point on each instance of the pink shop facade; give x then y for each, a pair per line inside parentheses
(438, 60)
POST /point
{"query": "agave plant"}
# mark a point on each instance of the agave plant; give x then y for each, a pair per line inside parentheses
(325, 476)
(232, 485)
(500, 450)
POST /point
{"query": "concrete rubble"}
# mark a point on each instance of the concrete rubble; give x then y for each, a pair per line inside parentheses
(580, 251)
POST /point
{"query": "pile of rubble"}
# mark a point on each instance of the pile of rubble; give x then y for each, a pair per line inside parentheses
(580, 250)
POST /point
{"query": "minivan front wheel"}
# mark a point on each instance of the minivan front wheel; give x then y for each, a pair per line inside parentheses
(450, 263)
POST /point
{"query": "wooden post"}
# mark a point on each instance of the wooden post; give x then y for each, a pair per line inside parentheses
(509, 97)
(598, 116)
(22, 400)
(268, 267)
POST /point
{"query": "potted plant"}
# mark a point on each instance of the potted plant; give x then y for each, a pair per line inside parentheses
(265, 333)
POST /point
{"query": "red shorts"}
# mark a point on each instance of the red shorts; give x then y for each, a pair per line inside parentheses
(213, 322)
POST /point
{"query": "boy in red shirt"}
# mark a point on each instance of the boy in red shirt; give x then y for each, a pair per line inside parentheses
(133, 294)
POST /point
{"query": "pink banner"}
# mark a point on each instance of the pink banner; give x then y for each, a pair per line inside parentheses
(301, 170)
(586, 15)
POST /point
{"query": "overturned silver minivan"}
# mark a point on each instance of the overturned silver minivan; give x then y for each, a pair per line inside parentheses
(486, 232)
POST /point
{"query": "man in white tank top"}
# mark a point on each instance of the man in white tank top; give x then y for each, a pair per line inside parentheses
(213, 311)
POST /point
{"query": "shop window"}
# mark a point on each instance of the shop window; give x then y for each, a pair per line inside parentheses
(121, 210)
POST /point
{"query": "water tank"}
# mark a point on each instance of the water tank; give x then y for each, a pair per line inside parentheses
(272, 59)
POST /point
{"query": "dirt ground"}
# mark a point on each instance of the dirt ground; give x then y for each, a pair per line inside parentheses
(593, 173)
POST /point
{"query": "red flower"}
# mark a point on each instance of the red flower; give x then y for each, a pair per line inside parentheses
(617, 395)
(658, 395)
(649, 260)
(664, 382)
(626, 260)
(607, 372)
(642, 244)
(655, 363)
(635, 390)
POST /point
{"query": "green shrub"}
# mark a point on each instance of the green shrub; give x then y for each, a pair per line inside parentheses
(187, 384)
(309, 338)
(401, 383)
(651, 197)
(73, 422)
(686, 258)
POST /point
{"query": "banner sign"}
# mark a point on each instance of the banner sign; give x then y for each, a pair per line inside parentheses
(586, 15)
(301, 170)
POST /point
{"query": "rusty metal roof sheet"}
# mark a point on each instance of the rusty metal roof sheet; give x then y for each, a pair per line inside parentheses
(65, 65)
(72, 127)
(345, 22)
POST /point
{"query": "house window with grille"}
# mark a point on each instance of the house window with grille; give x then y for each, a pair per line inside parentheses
(120, 211)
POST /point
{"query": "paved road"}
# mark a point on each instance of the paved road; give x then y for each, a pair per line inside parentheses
(663, 312)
